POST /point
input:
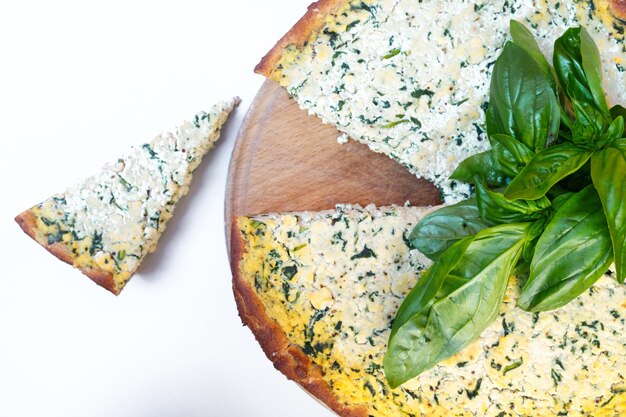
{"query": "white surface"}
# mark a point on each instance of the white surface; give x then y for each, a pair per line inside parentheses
(79, 82)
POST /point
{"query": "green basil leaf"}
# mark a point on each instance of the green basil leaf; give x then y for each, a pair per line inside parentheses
(480, 164)
(511, 154)
(430, 283)
(469, 300)
(615, 130)
(589, 123)
(533, 237)
(497, 209)
(578, 66)
(522, 101)
(547, 167)
(440, 229)
(618, 110)
(571, 255)
(608, 171)
(565, 131)
(560, 200)
(619, 144)
(568, 65)
(592, 65)
(524, 39)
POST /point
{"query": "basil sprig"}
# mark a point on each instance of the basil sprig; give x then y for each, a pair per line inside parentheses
(549, 201)
(465, 293)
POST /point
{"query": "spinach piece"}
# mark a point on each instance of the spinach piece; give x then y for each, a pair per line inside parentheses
(439, 230)
(545, 169)
(577, 232)
(608, 170)
(467, 302)
(480, 164)
(522, 103)
(496, 209)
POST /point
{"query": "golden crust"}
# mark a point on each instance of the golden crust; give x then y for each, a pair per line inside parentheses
(28, 222)
(287, 358)
(618, 8)
(311, 22)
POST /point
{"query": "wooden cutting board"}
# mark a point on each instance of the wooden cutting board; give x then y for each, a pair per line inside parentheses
(286, 160)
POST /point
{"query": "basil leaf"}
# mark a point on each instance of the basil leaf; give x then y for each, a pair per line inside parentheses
(589, 123)
(511, 154)
(617, 111)
(480, 164)
(430, 283)
(608, 171)
(522, 102)
(560, 200)
(439, 230)
(571, 255)
(615, 130)
(592, 65)
(547, 167)
(533, 236)
(497, 209)
(468, 301)
(567, 60)
(524, 39)
(619, 144)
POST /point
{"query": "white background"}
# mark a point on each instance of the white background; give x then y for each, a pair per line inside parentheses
(80, 82)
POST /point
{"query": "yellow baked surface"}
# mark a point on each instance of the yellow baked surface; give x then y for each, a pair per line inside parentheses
(320, 291)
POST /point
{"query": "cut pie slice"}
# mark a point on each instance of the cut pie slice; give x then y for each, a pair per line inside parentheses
(320, 291)
(108, 223)
(411, 78)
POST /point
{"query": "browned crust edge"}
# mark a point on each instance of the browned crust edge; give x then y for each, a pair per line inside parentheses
(287, 358)
(311, 22)
(28, 222)
(618, 8)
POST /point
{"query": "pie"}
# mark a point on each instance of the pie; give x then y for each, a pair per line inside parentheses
(411, 78)
(320, 290)
(108, 223)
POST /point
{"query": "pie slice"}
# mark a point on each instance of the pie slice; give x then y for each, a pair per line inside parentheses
(108, 223)
(411, 78)
(320, 291)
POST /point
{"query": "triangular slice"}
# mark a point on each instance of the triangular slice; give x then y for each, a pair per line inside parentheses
(411, 78)
(108, 223)
(320, 291)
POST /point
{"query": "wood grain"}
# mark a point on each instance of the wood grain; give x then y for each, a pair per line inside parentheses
(286, 160)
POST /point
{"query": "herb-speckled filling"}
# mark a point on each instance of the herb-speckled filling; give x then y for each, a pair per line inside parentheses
(334, 280)
(411, 78)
